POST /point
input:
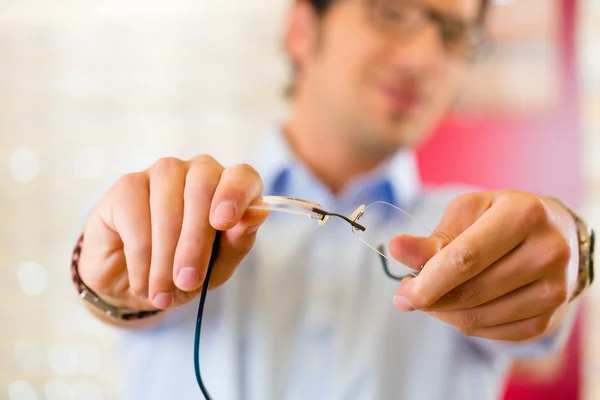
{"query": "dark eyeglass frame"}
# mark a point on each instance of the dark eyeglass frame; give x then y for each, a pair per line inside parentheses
(477, 44)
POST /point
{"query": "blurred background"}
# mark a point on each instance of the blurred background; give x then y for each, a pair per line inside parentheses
(90, 90)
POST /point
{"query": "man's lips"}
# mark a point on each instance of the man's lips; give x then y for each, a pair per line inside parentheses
(402, 99)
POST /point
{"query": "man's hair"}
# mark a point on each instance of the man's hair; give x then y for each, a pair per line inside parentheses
(321, 7)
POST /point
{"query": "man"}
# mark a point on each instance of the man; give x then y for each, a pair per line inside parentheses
(309, 315)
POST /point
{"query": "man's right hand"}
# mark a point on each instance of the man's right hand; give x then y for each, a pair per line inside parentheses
(148, 242)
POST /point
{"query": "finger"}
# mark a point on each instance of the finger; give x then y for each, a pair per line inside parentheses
(539, 256)
(415, 251)
(235, 245)
(128, 214)
(518, 331)
(166, 208)
(518, 268)
(532, 300)
(460, 214)
(494, 234)
(197, 235)
(239, 186)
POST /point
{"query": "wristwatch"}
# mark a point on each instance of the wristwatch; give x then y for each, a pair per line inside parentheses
(96, 301)
(586, 239)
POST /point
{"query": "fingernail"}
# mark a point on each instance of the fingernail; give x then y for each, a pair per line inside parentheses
(188, 279)
(402, 304)
(224, 213)
(163, 300)
(252, 229)
(407, 285)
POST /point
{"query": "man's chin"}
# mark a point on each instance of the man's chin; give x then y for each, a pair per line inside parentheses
(383, 143)
(400, 129)
(400, 133)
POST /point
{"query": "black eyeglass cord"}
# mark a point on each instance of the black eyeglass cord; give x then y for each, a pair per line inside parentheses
(213, 257)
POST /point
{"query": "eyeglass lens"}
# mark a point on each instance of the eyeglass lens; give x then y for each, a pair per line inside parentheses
(402, 18)
(384, 221)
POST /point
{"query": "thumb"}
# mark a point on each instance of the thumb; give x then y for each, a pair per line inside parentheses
(461, 212)
(415, 251)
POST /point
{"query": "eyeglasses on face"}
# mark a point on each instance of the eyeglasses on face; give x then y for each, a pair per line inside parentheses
(404, 18)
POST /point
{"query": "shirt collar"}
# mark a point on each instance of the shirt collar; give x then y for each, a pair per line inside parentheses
(273, 158)
(275, 161)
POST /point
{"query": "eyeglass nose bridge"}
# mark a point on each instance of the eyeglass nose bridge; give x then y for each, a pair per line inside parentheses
(351, 220)
(358, 213)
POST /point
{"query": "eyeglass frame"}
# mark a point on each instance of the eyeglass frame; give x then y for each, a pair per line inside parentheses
(278, 203)
(478, 44)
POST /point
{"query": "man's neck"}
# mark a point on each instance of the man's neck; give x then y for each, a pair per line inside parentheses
(328, 154)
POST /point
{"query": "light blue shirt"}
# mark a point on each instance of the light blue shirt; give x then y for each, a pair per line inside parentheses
(309, 312)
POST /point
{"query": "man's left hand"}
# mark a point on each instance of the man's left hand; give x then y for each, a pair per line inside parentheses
(499, 265)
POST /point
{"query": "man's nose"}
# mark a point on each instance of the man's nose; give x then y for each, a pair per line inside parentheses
(422, 52)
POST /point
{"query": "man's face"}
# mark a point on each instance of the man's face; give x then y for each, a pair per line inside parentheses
(381, 82)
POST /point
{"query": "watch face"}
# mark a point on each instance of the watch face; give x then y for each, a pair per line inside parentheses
(592, 240)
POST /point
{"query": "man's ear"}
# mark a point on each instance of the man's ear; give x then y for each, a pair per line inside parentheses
(301, 33)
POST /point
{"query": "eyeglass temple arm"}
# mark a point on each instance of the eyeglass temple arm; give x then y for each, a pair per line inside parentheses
(330, 214)
(300, 207)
